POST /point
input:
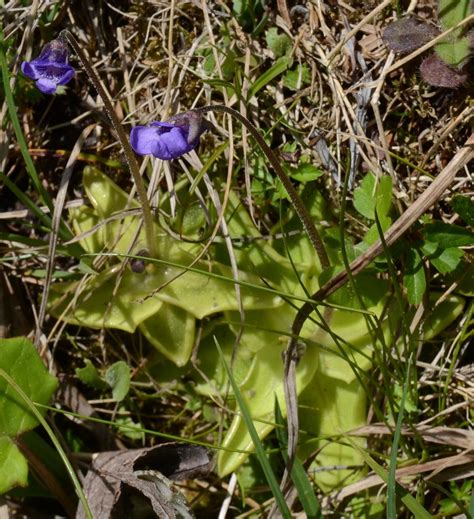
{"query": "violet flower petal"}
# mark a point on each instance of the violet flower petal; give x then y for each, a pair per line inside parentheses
(67, 75)
(172, 144)
(47, 86)
(28, 70)
(143, 139)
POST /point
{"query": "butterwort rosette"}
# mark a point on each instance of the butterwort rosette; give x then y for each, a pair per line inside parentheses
(171, 139)
(50, 68)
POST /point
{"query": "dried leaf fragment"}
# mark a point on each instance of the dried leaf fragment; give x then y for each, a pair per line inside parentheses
(435, 72)
(406, 35)
(122, 483)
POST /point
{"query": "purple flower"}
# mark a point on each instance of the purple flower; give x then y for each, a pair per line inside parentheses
(50, 68)
(171, 139)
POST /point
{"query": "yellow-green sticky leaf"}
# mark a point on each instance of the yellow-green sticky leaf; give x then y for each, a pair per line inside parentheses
(329, 406)
(100, 304)
(442, 314)
(106, 199)
(124, 301)
(171, 331)
(83, 220)
(263, 384)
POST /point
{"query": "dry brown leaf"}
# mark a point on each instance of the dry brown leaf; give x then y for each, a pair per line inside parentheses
(120, 483)
(406, 35)
(435, 72)
(461, 463)
(461, 438)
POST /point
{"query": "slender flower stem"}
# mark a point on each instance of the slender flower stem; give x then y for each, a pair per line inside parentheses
(123, 139)
(296, 201)
(291, 396)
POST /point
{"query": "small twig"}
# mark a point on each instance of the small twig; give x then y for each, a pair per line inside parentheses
(123, 139)
(378, 118)
(357, 28)
(283, 10)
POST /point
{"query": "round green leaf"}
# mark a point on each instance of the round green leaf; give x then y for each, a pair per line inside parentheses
(117, 377)
(13, 466)
(19, 358)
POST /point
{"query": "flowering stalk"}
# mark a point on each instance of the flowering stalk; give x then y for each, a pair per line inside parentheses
(291, 396)
(123, 139)
(298, 205)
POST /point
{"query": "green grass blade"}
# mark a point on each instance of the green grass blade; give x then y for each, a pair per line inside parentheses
(418, 510)
(157, 434)
(471, 504)
(24, 240)
(298, 474)
(45, 219)
(275, 70)
(259, 450)
(229, 280)
(74, 249)
(215, 155)
(391, 483)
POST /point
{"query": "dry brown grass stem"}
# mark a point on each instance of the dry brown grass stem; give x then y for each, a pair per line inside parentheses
(56, 221)
(357, 28)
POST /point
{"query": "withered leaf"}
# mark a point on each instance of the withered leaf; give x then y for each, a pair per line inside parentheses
(435, 72)
(126, 483)
(406, 35)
